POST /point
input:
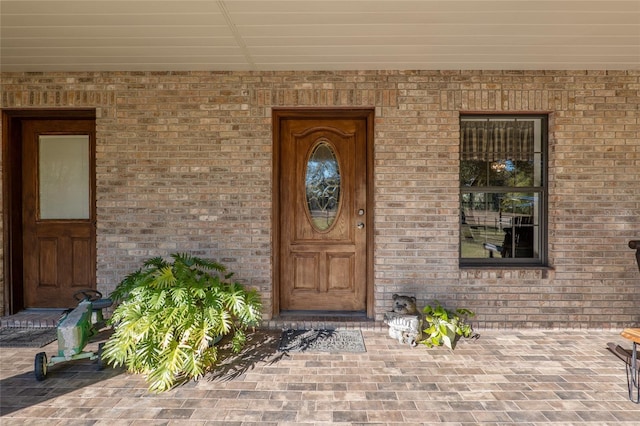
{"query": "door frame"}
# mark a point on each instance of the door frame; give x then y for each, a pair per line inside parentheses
(12, 119)
(279, 114)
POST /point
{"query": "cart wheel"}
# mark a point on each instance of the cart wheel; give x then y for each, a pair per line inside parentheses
(40, 366)
(101, 363)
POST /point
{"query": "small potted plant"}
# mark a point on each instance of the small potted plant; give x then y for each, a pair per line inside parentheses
(446, 327)
(169, 316)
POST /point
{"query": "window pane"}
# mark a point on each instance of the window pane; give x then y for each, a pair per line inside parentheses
(501, 152)
(323, 186)
(521, 174)
(64, 176)
(473, 173)
(500, 225)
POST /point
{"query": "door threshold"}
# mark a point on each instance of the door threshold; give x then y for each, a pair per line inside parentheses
(331, 320)
(360, 315)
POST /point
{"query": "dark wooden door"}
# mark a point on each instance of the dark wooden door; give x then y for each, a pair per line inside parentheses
(323, 214)
(58, 214)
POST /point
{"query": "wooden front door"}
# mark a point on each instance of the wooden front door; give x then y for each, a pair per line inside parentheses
(323, 213)
(58, 215)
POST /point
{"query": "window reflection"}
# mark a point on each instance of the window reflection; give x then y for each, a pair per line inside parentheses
(323, 186)
(499, 225)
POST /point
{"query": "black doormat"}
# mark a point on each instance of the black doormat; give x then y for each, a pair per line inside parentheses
(13, 337)
(333, 341)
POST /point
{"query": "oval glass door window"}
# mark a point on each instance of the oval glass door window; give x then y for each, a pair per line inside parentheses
(323, 186)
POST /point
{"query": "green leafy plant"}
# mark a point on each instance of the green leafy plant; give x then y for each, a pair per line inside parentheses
(445, 327)
(169, 316)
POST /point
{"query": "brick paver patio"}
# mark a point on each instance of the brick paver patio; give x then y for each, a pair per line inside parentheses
(533, 377)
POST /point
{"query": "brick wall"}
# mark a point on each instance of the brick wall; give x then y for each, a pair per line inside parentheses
(184, 164)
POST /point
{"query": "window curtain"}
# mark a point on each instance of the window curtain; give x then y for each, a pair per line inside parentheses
(497, 140)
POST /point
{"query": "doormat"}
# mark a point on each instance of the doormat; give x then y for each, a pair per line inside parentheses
(333, 341)
(13, 337)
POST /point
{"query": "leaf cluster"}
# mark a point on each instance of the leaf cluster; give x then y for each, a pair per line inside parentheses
(170, 314)
(445, 326)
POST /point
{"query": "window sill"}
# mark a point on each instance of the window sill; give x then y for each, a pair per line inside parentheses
(507, 267)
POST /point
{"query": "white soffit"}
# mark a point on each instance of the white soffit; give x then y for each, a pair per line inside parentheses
(195, 35)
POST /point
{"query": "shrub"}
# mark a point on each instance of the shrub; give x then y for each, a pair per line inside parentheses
(445, 327)
(170, 314)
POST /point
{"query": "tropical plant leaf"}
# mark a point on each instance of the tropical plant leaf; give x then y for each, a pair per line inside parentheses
(163, 278)
(155, 263)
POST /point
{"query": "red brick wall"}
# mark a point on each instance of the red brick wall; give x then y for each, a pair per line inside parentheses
(184, 164)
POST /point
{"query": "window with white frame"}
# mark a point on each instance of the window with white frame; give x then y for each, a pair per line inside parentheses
(503, 186)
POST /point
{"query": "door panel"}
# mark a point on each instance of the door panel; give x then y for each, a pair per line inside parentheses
(58, 229)
(323, 256)
(48, 261)
(305, 271)
(341, 268)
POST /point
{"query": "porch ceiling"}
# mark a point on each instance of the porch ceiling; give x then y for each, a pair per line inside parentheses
(174, 35)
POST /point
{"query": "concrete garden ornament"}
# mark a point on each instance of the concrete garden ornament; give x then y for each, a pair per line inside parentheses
(444, 327)
(404, 322)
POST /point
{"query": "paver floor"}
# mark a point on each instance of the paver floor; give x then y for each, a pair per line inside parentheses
(534, 377)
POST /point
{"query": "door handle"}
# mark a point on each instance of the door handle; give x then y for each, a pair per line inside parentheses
(360, 225)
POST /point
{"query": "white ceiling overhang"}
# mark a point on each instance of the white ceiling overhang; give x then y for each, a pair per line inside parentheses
(195, 35)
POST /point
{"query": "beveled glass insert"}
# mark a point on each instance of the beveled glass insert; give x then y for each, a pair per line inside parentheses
(63, 179)
(323, 186)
